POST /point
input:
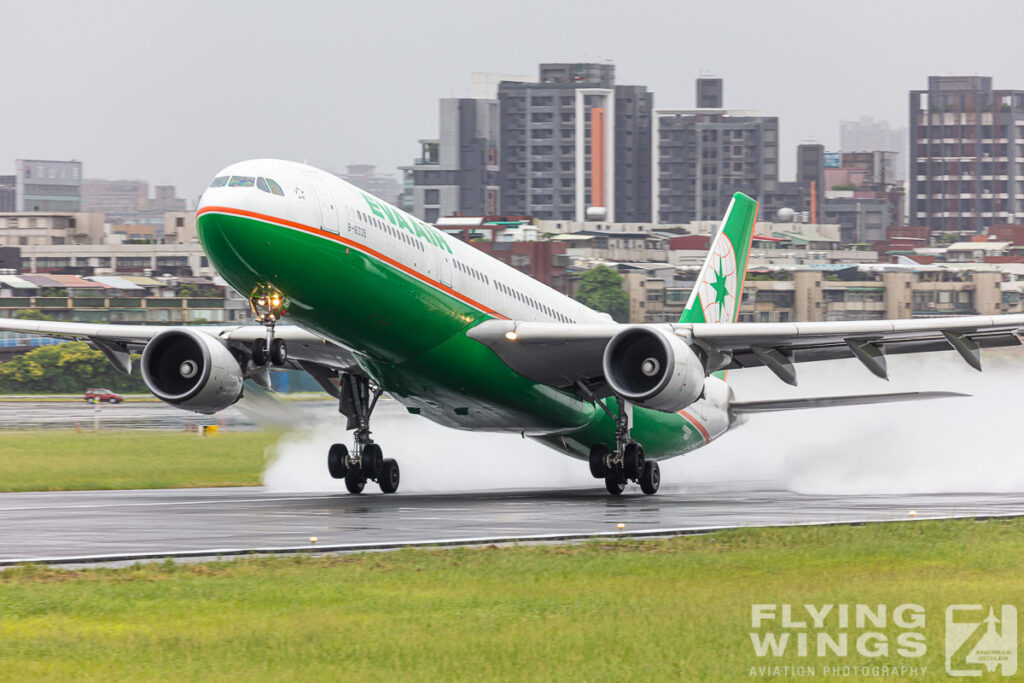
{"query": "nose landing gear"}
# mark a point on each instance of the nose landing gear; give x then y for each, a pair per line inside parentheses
(366, 461)
(268, 306)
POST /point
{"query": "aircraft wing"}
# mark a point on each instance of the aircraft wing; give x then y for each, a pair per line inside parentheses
(747, 407)
(563, 355)
(320, 357)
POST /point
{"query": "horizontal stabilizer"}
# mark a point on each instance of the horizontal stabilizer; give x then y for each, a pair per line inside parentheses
(745, 407)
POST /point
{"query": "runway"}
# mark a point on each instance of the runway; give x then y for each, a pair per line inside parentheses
(108, 526)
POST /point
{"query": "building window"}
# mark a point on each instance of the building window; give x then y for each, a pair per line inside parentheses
(431, 215)
(432, 197)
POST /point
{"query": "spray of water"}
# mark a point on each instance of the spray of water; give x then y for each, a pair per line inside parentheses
(966, 444)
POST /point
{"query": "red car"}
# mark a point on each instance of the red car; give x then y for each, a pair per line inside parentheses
(102, 395)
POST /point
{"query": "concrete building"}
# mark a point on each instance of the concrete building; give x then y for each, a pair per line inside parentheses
(457, 173)
(575, 141)
(128, 202)
(50, 228)
(186, 260)
(120, 200)
(700, 157)
(48, 185)
(967, 154)
(816, 295)
(862, 219)
(8, 193)
(365, 177)
(805, 195)
(869, 135)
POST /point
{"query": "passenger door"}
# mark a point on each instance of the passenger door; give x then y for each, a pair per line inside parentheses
(328, 209)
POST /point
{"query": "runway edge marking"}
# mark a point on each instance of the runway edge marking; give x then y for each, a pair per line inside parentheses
(216, 553)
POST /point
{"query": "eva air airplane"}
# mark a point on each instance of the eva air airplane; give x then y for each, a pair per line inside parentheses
(381, 302)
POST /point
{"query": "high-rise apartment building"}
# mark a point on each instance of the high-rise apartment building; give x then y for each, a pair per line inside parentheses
(702, 156)
(575, 141)
(457, 173)
(967, 154)
(869, 135)
(119, 200)
(48, 185)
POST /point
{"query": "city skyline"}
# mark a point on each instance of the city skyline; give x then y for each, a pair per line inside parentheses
(359, 84)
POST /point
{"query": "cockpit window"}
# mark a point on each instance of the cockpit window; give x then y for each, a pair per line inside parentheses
(220, 181)
(242, 181)
(268, 185)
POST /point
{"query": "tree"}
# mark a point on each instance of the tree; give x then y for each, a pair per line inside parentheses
(601, 289)
(64, 369)
(31, 314)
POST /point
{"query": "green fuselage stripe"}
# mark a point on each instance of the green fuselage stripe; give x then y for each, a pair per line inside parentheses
(408, 333)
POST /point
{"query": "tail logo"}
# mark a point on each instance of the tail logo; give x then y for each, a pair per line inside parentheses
(717, 288)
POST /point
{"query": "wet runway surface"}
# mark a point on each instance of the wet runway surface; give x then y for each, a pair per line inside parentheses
(245, 415)
(211, 522)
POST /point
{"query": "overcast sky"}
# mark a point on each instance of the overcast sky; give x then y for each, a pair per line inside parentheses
(171, 92)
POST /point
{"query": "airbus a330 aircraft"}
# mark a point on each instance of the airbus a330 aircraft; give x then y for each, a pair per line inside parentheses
(382, 302)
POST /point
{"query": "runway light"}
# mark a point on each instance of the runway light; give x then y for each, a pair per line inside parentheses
(511, 335)
(621, 526)
(912, 513)
(313, 539)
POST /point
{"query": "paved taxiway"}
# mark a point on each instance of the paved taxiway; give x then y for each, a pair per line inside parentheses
(209, 522)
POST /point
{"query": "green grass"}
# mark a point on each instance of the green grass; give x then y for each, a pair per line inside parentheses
(676, 609)
(63, 461)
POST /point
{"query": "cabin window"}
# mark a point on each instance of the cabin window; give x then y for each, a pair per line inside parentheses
(220, 181)
(242, 181)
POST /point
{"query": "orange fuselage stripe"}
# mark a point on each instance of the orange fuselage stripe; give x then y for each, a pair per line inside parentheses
(696, 423)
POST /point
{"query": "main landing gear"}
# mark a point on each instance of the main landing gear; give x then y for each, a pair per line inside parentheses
(626, 463)
(365, 461)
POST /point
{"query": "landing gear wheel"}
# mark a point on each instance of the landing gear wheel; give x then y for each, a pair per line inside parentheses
(650, 478)
(373, 460)
(633, 460)
(614, 483)
(337, 461)
(598, 461)
(259, 352)
(355, 481)
(278, 352)
(389, 476)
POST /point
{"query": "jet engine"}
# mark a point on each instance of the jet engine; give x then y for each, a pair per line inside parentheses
(191, 370)
(653, 368)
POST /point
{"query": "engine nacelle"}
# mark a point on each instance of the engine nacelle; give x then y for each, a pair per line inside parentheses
(191, 370)
(653, 368)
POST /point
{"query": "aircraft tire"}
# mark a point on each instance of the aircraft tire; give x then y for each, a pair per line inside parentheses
(259, 352)
(389, 476)
(650, 478)
(633, 460)
(598, 460)
(355, 481)
(614, 483)
(373, 460)
(278, 352)
(337, 461)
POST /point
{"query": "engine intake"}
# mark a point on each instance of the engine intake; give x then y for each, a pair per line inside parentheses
(191, 370)
(653, 368)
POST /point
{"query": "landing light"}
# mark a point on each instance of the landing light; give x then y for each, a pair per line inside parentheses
(511, 335)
